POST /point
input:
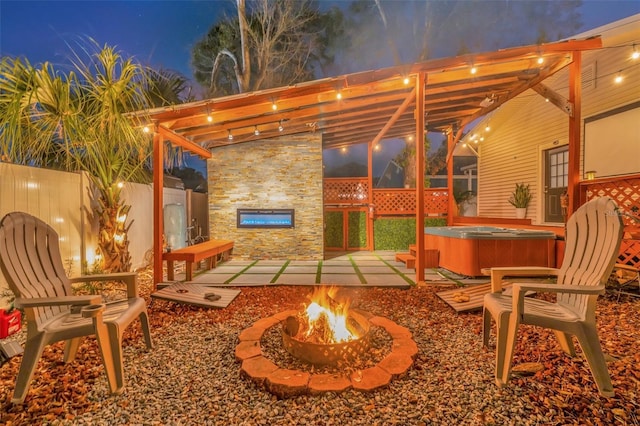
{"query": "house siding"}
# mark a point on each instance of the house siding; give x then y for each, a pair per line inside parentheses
(527, 125)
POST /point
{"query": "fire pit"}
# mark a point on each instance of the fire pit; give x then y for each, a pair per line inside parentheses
(326, 334)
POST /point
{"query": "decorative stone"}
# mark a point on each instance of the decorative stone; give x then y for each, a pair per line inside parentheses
(252, 333)
(266, 323)
(370, 379)
(407, 346)
(320, 383)
(396, 363)
(248, 349)
(527, 368)
(286, 383)
(284, 314)
(395, 330)
(258, 368)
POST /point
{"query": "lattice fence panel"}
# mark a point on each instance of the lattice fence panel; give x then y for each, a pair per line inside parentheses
(630, 253)
(626, 192)
(346, 191)
(436, 201)
(391, 202)
(394, 202)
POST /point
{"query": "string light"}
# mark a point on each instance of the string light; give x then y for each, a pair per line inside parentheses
(635, 55)
(339, 95)
(209, 118)
(280, 126)
(487, 128)
(256, 131)
(274, 106)
(406, 81)
(473, 70)
(146, 129)
(230, 137)
(540, 60)
(618, 79)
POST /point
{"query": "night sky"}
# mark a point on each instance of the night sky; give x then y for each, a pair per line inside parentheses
(159, 32)
(156, 32)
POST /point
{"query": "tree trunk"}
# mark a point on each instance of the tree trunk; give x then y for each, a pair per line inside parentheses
(113, 239)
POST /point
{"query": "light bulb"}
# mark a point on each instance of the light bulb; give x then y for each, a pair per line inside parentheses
(209, 118)
(280, 126)
(256, 131)
(474, 70)
(274, 106)
(230, 137)
(618, 78)
(338, 95)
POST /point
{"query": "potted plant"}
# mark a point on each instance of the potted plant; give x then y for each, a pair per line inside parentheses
(463, 198)
(520, 199)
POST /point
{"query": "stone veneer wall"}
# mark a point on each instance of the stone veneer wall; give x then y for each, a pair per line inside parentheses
(276, 173)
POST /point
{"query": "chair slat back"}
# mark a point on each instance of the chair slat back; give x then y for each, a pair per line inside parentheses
(31, 262)
(593, 235)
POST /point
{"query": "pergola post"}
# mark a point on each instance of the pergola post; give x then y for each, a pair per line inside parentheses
(575, 98)
(420, 109)
(370, 208)
(158, 177)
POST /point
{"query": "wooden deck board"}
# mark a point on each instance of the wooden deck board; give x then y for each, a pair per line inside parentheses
(194, 294)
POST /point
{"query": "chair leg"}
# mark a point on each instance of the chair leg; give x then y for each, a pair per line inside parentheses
(104, 342)
(115, 342)
(590, 344)
(32, 353)
(146, 330)
(71, 349)
(507, 334)
(565, 342)
(486, 326)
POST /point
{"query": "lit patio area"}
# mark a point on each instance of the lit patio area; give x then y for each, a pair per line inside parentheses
(193, 376)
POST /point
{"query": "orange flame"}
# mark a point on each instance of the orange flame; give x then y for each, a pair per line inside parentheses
(324, 320)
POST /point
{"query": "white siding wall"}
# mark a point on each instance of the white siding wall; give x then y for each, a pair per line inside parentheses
(527, 125)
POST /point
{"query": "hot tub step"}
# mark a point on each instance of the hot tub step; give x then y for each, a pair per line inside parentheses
(408, 259)
(431, 256)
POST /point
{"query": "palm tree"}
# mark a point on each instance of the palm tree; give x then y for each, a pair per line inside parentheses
(78, 122)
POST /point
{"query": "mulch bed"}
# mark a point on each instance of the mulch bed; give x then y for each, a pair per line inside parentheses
(451, 381)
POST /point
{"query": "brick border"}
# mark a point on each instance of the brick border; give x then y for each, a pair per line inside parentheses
(286, 383)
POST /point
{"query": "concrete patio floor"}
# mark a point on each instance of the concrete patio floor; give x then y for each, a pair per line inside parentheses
(362, 268)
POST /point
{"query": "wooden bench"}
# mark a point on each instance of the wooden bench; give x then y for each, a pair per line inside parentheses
(209, 251)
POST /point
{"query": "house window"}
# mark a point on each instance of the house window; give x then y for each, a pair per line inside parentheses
(559, 169)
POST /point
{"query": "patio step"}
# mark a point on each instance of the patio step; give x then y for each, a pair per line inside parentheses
(431, 256)
(408, 259)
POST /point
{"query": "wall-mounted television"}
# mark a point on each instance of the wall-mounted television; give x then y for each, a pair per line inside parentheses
(266, 218)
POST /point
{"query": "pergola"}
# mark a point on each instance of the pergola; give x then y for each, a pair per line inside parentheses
(440, 95)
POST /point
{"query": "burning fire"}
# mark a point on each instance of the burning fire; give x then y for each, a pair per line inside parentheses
(326, 320)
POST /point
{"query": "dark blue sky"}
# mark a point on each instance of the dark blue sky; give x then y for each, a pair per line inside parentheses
(162, 32)
(156, 32)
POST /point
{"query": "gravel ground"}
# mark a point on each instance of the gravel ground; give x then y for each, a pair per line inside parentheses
(191, 376)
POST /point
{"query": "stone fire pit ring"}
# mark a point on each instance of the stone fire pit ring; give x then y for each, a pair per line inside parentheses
(285, 383)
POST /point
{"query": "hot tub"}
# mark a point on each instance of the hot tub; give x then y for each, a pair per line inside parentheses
(466, 250)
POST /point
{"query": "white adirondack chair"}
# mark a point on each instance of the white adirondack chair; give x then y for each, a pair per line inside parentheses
(593, 235)
(31, 263)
